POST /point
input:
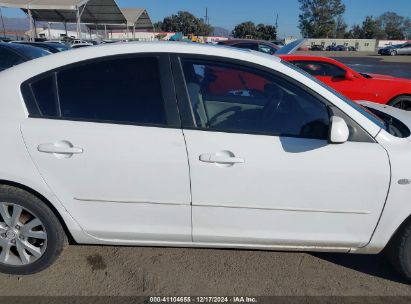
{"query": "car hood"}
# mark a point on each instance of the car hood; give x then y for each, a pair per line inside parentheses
(403, 116)
(388, 77)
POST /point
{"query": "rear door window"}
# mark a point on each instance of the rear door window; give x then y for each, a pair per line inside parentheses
(125, 90)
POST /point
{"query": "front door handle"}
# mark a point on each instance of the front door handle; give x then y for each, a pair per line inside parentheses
(220, 159)
(62, 147)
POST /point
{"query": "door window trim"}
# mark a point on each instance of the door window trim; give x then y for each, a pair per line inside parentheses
(187, 114)
(166, 79)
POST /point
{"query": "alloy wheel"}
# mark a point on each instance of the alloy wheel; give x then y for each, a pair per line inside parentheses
(23, 237)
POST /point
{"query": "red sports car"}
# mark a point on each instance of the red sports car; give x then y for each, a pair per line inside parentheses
(356, 86)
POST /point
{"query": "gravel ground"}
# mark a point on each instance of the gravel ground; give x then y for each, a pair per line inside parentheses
(126, 271)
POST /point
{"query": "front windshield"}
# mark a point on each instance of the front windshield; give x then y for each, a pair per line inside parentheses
(380, 123)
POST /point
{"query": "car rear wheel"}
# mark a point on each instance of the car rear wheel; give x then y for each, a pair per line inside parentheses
(393, 53)
(398, 251)
(31, 237)
(402, 102)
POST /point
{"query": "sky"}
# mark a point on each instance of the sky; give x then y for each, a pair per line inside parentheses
(228, 13)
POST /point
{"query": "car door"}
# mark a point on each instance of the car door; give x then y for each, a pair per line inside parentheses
(355, 88)
(262, 170)
(405, 49)
(106, 137)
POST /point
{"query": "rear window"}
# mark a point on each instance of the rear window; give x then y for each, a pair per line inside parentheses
(29, 51)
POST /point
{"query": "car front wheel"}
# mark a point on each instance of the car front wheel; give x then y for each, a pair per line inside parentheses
(31, 237)
(398, 250)
(402, 102)
(393, 53)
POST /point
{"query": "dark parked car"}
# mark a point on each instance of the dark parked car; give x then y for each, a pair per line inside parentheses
(337, 48)
(12, 54)
(317, 47)
(48, 46)
(256, 45)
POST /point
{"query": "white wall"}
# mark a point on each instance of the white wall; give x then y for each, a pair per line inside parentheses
(366, 45)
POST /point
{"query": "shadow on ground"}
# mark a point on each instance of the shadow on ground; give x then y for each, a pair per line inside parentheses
(375, 265)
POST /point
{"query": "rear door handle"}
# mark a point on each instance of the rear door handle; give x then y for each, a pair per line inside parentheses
(59, 148)
(220, 159)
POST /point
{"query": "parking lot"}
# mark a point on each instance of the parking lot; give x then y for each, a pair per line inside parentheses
(129, 271)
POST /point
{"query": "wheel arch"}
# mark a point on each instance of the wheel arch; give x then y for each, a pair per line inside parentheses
(45, 201)
(405, 223)
(398, 95)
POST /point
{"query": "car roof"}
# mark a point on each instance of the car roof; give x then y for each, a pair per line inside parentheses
(113, 49)
(18, 47)
(236, 41)
(11, 79)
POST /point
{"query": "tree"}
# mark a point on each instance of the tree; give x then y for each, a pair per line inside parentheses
(407, 28)
(340, 27)
(392, 24)
(249, 30)
(371, 29)
(158, 26)
(186, 23)
(266, 32)
(245, 30)
(319, 18)
(356, 32)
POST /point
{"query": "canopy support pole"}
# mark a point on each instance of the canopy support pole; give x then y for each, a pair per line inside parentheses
(78, 23)
(134, 32)
(31, 25)
(2, 22)
(105, 31)
(49, 29)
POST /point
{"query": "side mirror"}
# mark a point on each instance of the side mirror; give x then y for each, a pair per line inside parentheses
(349, 75)
(339, 131)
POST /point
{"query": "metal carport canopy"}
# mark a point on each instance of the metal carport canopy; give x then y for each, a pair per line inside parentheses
(65, 11)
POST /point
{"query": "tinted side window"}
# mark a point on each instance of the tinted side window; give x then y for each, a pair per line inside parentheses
(250, 46)
(43, 91)
(266, 49)
(9, 59)
(318, 68)
(231, 98)
(118, 90)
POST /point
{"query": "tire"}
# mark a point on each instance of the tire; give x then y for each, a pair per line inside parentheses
(393, 53)
(47, 238)
(402, 102)
(398, 251)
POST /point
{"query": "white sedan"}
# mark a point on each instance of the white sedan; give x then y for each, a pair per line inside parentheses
(175, 144)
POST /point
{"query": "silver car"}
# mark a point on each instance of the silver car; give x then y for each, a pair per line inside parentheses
(400, 49)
